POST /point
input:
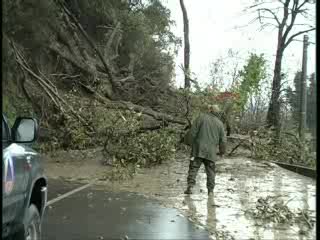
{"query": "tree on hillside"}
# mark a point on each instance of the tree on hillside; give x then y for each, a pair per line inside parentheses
(284, 16)
(115, 52)
(125, 43)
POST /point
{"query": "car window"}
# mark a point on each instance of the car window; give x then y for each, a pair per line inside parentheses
(4, 131)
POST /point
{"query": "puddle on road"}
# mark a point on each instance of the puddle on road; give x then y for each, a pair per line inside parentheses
(239, 184)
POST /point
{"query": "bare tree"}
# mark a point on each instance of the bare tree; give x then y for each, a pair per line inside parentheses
(186, 45)
(224, 71)
(282, 16)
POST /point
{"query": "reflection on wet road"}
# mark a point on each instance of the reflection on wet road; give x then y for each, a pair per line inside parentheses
(93, 214)
(239, 188)
(239, 183)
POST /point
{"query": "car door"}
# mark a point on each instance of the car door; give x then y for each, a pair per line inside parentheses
(14, 176)
(8, 207)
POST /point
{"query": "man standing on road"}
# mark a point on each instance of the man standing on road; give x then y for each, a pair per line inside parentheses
(205, 137)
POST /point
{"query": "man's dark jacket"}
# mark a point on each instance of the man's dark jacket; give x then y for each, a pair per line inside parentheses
(206, 136)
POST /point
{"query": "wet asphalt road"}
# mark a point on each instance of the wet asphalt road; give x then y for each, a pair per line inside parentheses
(93, 214)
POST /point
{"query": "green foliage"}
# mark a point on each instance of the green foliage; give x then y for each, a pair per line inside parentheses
(251, 75)
(144, 34)
(148, 37)
(76, 135)
(13, 104)
(28, 21)
(120, 173)
(126, 144)
(9, 110)
(158, 20)
(144, 41)
(69, 134)
(92, 14)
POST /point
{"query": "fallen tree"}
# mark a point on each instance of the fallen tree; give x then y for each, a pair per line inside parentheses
(127, 142)
(68, 64)
(115, 82)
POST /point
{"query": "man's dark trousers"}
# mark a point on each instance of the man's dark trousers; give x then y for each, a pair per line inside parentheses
(194, 168)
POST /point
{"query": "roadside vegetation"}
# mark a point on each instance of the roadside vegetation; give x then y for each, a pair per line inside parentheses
(100, 74)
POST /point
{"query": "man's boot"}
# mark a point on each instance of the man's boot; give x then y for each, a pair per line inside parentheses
(188, 191)
(210, 192)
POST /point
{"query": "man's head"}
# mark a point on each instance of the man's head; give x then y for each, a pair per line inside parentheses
(213, 108)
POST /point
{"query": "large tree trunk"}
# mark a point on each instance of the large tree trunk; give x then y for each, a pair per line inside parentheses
(273, 116)
(284, 28)
(186, 46)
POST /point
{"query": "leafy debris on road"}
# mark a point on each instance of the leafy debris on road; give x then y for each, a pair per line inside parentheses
(223, 235)
(273, 209)
(303, 216)
(120, 173)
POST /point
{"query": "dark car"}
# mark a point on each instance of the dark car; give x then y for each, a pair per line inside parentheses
(24, 194)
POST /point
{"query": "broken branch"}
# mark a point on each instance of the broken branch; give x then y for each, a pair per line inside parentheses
(297, 34)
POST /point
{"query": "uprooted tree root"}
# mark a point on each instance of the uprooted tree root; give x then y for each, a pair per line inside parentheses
(275, 210)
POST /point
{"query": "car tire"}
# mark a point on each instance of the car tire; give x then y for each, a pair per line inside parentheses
(32, 224)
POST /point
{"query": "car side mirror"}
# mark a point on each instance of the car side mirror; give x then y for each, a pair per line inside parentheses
(25, 130)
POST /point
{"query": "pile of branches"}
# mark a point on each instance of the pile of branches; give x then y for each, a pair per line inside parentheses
(119, 173)
(223, 235)
(275, 210)
(287, 149)
(129, 142)
(272, 209)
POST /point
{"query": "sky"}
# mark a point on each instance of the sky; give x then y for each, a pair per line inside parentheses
(213, 31)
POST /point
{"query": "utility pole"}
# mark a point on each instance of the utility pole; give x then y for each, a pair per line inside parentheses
(303, 95)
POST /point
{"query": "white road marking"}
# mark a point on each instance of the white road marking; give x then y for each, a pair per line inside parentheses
(68, 194)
